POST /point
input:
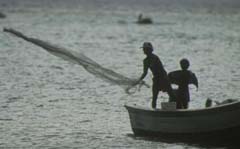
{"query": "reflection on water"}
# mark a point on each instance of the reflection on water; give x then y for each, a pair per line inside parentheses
(190, 142)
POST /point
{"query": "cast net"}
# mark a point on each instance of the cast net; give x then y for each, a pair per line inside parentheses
(88, 64)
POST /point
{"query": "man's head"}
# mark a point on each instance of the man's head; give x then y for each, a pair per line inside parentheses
(147, 48)
(184, 64)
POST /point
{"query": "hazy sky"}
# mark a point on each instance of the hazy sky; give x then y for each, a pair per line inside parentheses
(157, 4)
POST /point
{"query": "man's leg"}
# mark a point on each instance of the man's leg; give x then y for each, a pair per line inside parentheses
(185, 104)
(179, 105)
(172, 95)
(155, 92)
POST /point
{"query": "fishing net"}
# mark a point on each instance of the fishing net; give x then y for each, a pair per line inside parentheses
(87, 63)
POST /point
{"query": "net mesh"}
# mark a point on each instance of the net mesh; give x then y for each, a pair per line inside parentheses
(88, 64)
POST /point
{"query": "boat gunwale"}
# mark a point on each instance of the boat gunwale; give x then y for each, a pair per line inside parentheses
(184, 112)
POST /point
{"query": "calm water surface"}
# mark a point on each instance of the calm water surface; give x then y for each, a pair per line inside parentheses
(46, 102)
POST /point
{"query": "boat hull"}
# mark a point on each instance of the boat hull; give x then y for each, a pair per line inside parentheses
(226, 135)
(208, 124)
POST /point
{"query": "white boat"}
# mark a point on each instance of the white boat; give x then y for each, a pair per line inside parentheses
(214, 123)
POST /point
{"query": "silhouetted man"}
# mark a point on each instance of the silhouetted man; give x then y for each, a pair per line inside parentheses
(160, 78)
(183, 78)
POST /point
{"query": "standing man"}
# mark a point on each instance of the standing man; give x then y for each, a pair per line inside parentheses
(183, 78)
(160, 78)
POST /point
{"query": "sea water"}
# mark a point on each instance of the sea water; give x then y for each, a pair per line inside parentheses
(46, 102)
